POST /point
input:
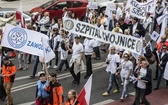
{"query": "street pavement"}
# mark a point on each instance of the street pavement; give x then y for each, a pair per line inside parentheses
(27, 5)
(24, 87)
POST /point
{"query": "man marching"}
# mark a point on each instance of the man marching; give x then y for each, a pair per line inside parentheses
(8, 73)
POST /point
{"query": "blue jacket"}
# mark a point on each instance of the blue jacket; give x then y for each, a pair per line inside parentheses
(41, 89)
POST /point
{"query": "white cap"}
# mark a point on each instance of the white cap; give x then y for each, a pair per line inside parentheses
(40, 72)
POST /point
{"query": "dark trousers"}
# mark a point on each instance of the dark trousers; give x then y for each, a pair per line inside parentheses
(97, 52)
(140, 94)
(2, 89)
(156, 72)
(75, 76)
(38, 29)
(166, 82)
(88, 65)
(30, 56)
(154, 26)
(62, 64)
(160, 74)
(36, 61)
(56, 57)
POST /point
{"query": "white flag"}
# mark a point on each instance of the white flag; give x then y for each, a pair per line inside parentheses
(23, 40)
(48, 52)
(149, 45)
(154, 36)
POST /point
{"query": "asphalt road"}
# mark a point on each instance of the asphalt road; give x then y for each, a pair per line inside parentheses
(24, 87)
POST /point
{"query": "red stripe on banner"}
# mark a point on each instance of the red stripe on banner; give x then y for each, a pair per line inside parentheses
(81, 97)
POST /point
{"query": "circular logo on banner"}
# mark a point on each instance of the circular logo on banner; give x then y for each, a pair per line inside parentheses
(68, 24)
(17, 37)
(138, 46)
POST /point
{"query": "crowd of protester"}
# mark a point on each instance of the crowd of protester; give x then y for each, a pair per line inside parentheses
(120, 62)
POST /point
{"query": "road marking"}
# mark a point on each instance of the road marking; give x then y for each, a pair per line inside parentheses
(105, 102)
(24, 85)
(93, 66)
(100, 103)
(62, 76)
(132, 93)
(28, 103)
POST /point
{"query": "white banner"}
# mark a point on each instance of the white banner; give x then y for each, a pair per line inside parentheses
(164, 20)
(48, 52)
(93, 5)
(130, 43)
(139, 10)
(24, 40)
(109, 9)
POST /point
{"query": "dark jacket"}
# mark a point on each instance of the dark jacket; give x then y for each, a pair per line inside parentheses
(148, 53)
(164, 60)
(124, 26)
(147, 78)
(140, 28)
(110, 24)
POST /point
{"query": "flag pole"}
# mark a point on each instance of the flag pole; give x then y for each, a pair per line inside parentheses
(44, 63)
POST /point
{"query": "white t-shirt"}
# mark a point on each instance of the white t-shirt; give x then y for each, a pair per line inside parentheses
(113, 60)
(56, 39)
(88, 45)
(141, 84)
(126, 67)
(77, 49)
(64, 54)
(118, 13)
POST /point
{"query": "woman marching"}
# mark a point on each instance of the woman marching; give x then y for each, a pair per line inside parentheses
(126, 69)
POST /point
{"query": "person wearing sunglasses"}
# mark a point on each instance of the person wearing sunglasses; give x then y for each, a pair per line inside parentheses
(158, 49)
(163, 58)
(126, 68)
